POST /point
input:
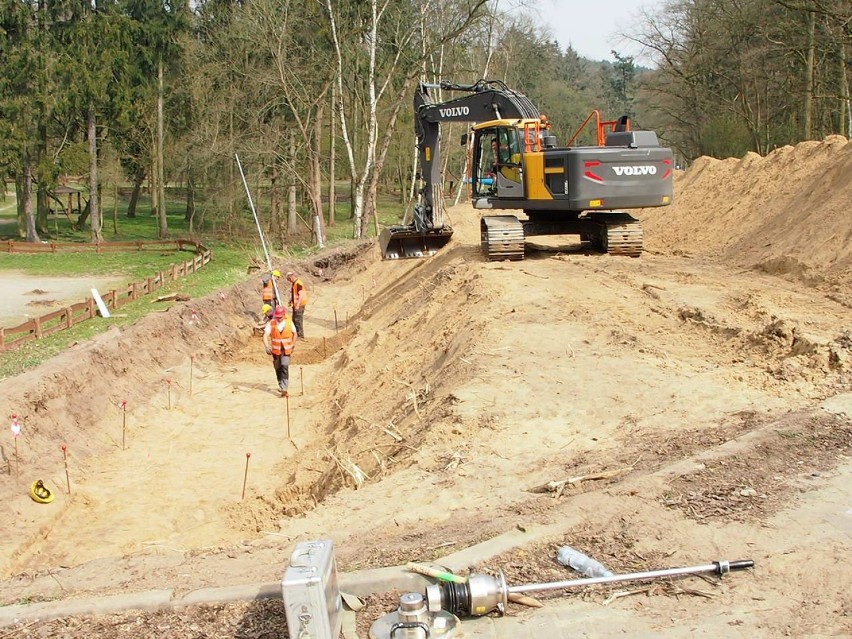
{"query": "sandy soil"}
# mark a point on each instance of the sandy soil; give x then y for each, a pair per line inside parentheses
(438, 403)
(25, 296)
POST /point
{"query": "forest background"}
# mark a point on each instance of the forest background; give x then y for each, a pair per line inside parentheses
(134, 97)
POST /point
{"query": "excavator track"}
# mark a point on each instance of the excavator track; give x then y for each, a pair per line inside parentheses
(623, 238)
(502, 237)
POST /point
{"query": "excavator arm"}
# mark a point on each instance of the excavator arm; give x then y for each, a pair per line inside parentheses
(485, 100)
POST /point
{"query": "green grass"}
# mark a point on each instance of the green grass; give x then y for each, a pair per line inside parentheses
(228, 266)
(135, 265)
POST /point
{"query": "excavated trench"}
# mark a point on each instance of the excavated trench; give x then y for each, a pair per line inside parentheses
(363, 421)
(71, 403)
(377, 416)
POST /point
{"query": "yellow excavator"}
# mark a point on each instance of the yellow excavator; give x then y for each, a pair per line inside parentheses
(514, 163)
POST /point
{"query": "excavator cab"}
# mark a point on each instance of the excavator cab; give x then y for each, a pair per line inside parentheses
(497, 168)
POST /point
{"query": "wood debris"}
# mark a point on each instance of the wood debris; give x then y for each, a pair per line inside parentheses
(172, 297)
(557, 487)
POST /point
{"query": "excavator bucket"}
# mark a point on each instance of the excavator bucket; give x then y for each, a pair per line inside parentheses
(400, 242)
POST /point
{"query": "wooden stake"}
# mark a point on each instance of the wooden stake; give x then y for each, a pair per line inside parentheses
(302, 379)
(123, 423)
(65, 456)
(335, 320)
(16, 431)
(169, 392)
(245, 476)
(288, 416)
(191, 362)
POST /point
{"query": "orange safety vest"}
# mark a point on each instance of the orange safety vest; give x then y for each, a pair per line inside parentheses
(283, 340)
(268, 291)
(295, 290)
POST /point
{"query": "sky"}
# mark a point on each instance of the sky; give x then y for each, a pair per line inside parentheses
(591, 26)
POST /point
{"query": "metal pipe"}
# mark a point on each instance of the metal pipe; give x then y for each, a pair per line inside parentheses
(718, 567)
(481, 594)
(259, 229)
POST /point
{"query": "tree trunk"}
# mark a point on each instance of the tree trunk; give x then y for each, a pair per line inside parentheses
(43, 199)
(84, 214)
(318, 219)
(232, 178)
(27, 205)
(277, 205)
(163, 226)
(19, 204)
(332, 138)
(138, 179)
(42, 207)
(189, 216)
(115, 208)
(292, 219)
(94, 200)
(807, 126)
(153, 189)
(390, 130)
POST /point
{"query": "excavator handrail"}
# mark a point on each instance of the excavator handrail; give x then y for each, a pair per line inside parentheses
(532, 135)
(601, 127)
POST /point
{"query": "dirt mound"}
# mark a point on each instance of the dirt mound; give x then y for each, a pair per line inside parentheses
(785, 214)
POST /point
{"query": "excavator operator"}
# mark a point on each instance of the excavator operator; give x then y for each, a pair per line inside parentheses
(507, 160)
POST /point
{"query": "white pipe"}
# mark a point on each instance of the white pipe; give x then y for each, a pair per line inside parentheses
(259, 229)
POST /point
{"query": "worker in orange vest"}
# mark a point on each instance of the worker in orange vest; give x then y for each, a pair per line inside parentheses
(298, 302)
(279, 337)
(269, 291)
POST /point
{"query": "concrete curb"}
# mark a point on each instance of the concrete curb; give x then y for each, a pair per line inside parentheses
(361, 583)
(42, 611)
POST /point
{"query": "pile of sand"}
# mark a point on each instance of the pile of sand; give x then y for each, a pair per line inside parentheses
(785, 214)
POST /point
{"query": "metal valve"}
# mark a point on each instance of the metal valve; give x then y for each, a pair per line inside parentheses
(412, 620)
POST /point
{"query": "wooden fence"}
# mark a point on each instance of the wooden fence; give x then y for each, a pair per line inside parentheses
(71, 315)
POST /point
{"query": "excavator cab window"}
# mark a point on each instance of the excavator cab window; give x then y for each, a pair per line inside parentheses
(509, 148)
(498, 162)
(509, 163)
(486, 163)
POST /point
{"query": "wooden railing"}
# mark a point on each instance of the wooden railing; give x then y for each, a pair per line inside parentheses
(72, 315)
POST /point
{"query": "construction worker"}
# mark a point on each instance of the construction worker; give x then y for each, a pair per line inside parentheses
(279, 337)
(265, 318)
(298, 302)
(269, 290)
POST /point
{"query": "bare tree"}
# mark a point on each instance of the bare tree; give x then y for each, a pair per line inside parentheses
(387, 41)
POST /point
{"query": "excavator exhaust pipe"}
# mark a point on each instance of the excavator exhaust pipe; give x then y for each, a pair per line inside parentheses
(402, 242)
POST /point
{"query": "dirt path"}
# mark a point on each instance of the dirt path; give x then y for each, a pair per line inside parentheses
(716, 398)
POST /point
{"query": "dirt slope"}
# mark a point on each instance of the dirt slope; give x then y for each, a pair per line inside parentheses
(710, 381)
(786, 213)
